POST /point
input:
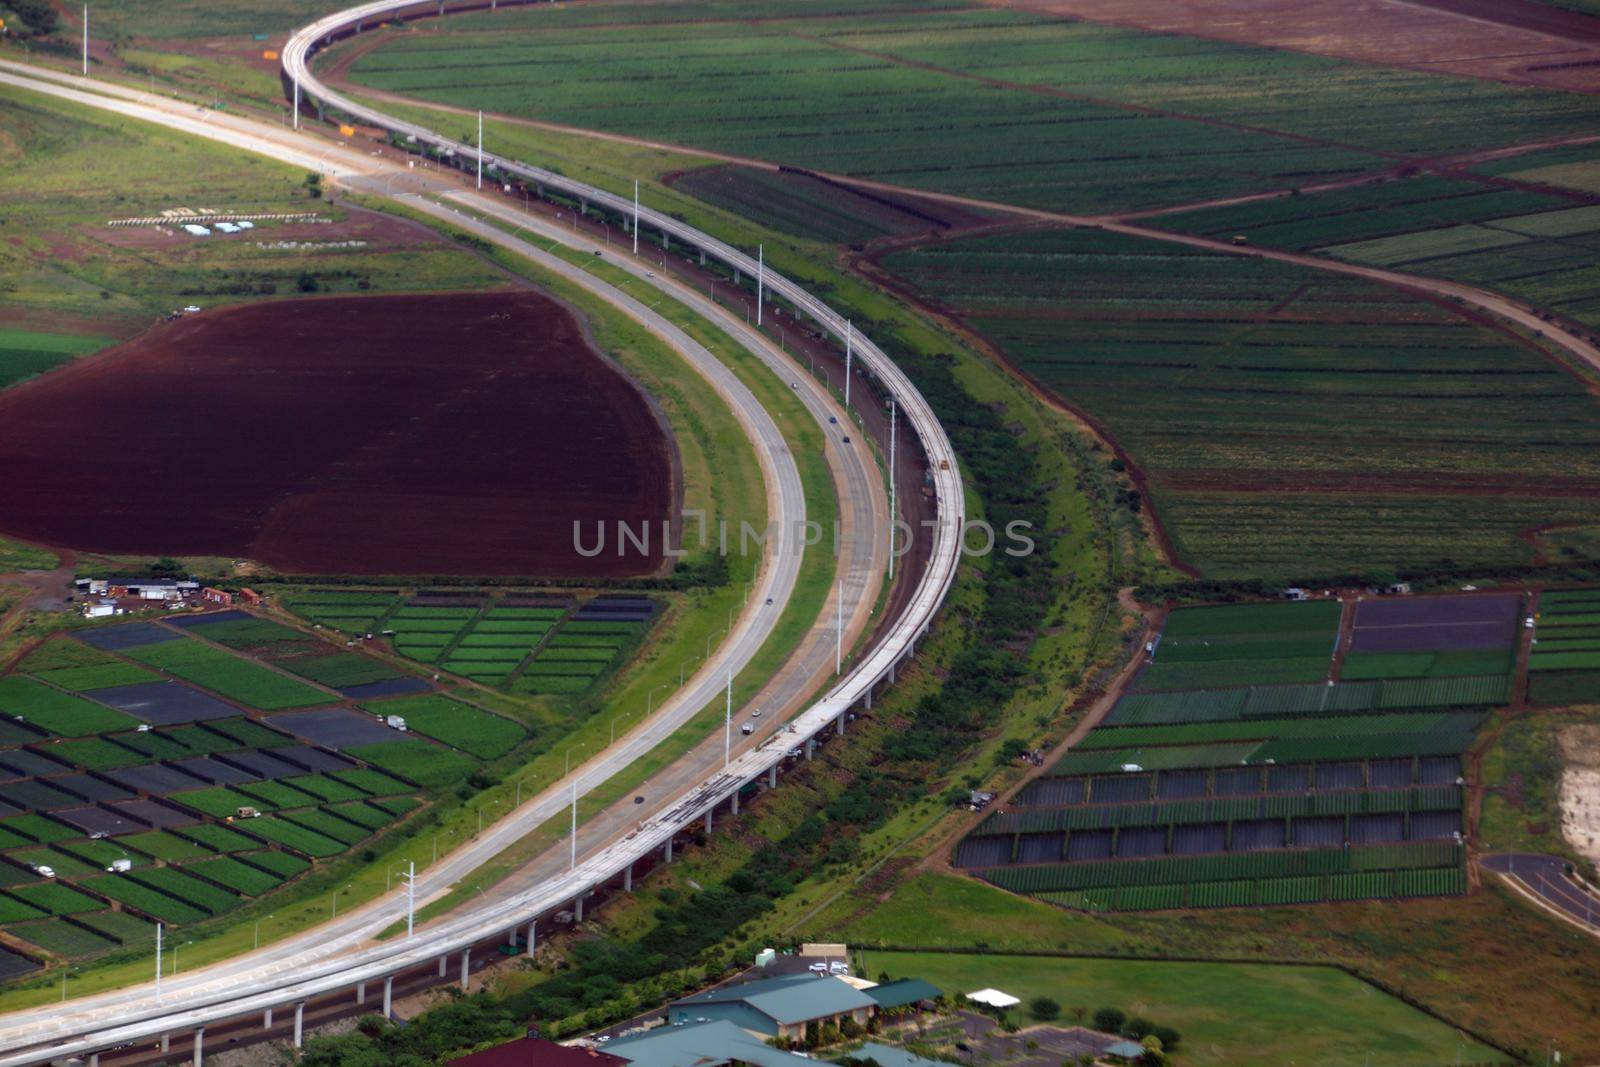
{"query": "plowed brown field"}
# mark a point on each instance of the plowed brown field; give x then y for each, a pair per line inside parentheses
(443, 434)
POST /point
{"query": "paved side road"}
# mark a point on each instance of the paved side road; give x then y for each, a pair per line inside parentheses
(1546, 878)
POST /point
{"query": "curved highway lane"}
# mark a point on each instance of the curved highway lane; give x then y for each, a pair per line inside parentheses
(278, 981)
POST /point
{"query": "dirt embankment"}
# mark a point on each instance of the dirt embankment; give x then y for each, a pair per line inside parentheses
(1580, 789)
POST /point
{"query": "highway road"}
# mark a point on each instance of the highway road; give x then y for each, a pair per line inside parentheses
(1545, 878)
(336, 955)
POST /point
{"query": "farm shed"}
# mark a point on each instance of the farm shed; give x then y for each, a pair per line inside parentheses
(778, 1007)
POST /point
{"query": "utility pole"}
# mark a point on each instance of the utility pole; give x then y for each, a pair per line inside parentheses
(85, 40)
(727, 727)
(574, 824)
(297, 103)
(636, 217)
(411, 896)
(158, 963)
(761, 281)
(480, 149)
(849, 336)
(893, 514)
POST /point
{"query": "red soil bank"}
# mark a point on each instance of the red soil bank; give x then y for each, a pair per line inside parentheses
(442, 434)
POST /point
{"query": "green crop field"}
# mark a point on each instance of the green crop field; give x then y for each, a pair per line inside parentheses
(1523, 242)
(141, 897)
(1363, 665)
(850, 94)
(324, 788)
(430, 766)
(25, 353)
(55, 899)
(63, 938)
(257, 635)
(462, 726)
(1240, 1015)
(218, 838)
(350, 612)
(60, 713)
(1288, 422)
(295, 836)
(229, 675)
(237, 875)
(192, 891)
(339, 670)
(97, 754)
(164, 845)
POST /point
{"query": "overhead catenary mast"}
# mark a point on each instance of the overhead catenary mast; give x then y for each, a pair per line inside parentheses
(480, 149)
(727, 726)
(838, 632)
(574, 824)
(761, 280)
(297, 103)
(636, 217)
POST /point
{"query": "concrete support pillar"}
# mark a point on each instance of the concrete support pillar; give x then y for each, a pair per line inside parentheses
(199, 1045)
(532, 943)
(577, 909)
(511, 937)
(733, 803)
(444, 962)
(702, 257)
(466, 963)
(166, 1042)
(666, 241)
(94, 1059)
(299, 1024)
(892, 667)
(266, 1020)
(838, 724)
(737, 277)
(627, 878)
(811, 745)
(669, 850)
(869, 698)
(710, 813)
(361, 992)
(388, 995)
(772, 776)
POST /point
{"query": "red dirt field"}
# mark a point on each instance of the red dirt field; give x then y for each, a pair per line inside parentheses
(1518, 41)
(453, 434)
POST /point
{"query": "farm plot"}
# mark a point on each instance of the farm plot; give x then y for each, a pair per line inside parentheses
(1254, 644)
(429, 766)
(228, 675)
(462, 726)
(76, 667)
(497, 644)
(351, 613)
(1364, 212)
(25, 353)
(817, 208)
(338, 728)
(243, 632)
(1564, 662)
(587, 647)
(60, 713)
(237, 874)
(849, 95)
(1259, 795)
(164, 703)
(65, 939)
(423, 632)
(1286, 423)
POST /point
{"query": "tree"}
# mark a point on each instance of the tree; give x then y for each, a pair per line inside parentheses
(307, 282)
(1044, 1009)
(1138, 1028)
(1110, 1019)
(1153, 1053)
(1169, 1037)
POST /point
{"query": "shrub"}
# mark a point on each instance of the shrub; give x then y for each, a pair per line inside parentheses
(1110, 1020)
(1044, 1009)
